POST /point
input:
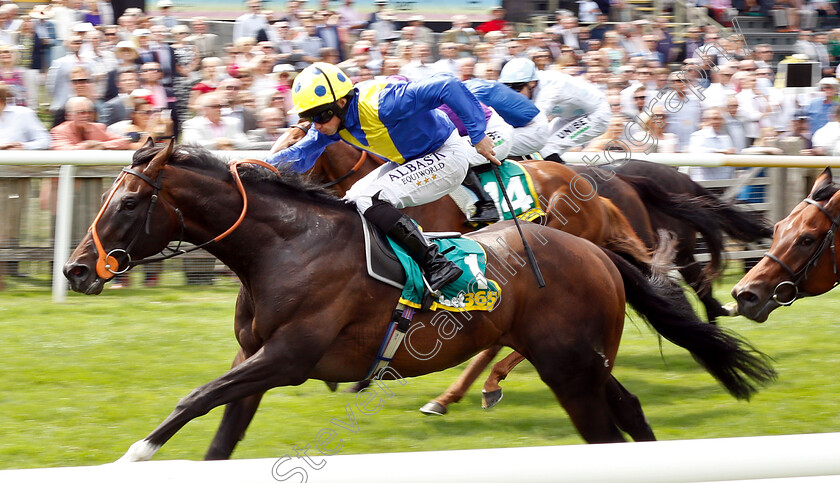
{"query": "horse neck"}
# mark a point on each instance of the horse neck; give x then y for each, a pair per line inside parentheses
(337, 160)
(275, 220)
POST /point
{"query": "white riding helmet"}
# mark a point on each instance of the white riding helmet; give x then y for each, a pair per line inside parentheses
(518, 70)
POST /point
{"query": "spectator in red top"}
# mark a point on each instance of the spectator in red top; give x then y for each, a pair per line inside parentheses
(80, 132)
(496, 23)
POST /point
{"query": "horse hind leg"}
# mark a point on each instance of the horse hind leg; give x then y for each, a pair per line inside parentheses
(492, 392)
(627, 411)
(235, 421)
(578, 388)
(454, 393)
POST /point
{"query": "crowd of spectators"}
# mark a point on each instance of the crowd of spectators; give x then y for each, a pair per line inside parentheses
(158, 74)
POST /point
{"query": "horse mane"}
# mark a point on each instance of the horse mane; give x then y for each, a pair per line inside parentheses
(198, 158)
(825, 191)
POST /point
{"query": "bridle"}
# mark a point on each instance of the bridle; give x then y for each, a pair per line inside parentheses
(356, 167)
(107, 264)
(799, 275)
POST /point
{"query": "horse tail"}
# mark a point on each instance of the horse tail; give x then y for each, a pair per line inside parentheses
(733, 361)
(742, 225)
(622, 239)
(695, 211)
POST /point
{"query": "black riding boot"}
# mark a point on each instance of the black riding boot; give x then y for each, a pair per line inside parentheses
(555, 157)
(438, 270)
(485, 208)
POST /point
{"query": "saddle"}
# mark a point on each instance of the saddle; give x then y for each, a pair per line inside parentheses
(382, 261)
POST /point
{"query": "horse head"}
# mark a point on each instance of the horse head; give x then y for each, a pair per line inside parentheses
(122, 230)
(292, 135)
(802, 261)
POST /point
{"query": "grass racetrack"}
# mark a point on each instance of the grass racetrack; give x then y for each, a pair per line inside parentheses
(83, 380)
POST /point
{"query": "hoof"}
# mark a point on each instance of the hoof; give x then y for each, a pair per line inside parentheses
(357, 387)
(433, 408)
(731, 309)
(490, 399)
(332, 386)
(139, 451)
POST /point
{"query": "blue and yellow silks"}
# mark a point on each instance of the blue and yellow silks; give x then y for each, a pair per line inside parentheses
(397, 121)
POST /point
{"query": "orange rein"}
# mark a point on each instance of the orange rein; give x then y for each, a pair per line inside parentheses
(106, 261)
(239, 185)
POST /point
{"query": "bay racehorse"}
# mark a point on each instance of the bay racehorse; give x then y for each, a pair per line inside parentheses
(312, 311)
(803, 259)
(644, 207)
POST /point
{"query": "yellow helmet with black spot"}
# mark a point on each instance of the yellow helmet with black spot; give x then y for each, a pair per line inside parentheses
(320, 84)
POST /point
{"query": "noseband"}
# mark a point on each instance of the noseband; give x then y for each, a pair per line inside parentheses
(799, 275)
(107, 264)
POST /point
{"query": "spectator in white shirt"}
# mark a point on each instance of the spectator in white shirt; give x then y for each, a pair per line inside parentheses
(448, 59)
(753, 107)
(212, 130)
(249, 24)
(20, 127)
(350, 20)
(418, 68)
(734, 127)
(719, 90)
(712, 138)
(825, 139)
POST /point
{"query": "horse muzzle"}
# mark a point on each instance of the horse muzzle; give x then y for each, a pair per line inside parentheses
(755, 302)
(83, 278)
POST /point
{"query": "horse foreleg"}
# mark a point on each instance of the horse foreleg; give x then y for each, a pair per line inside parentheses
(692, 272)
(457, 389)
(254, 376)
(492, 392)
(235, 421)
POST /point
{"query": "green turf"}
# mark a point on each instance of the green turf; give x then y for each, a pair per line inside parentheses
(83, 380)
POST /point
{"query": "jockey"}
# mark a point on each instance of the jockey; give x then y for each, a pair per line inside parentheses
(578, 111)
(397, 121)
(530, 126)
(501, 133)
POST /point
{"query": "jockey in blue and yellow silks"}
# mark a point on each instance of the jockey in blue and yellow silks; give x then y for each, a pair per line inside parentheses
(397, 121)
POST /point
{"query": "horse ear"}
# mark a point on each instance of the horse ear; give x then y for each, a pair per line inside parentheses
(823, 181)
(150, 143)
(161, 158)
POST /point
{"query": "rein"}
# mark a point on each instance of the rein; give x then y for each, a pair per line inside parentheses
(356, 167)
(107, 264)
(799, 275)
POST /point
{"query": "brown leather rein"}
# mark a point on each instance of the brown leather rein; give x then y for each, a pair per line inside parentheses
(107, 265)
(356, 167)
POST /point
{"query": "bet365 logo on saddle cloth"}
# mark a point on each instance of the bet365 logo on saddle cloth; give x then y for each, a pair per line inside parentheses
(520, 190)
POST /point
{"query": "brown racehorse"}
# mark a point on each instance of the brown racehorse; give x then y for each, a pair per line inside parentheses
(312, 311)
(597, 219)
(802, 261)
(646, 207)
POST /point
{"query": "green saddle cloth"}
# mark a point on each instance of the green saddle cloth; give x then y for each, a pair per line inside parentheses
(520, 190)
(471, 291)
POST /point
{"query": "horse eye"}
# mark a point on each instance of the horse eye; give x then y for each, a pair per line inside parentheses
(806, 241)
(129, 204)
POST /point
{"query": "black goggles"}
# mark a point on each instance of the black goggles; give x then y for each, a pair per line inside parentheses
(517, 86)
(321, 117)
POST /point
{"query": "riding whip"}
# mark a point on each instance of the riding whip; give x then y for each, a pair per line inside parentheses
(531, 259)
